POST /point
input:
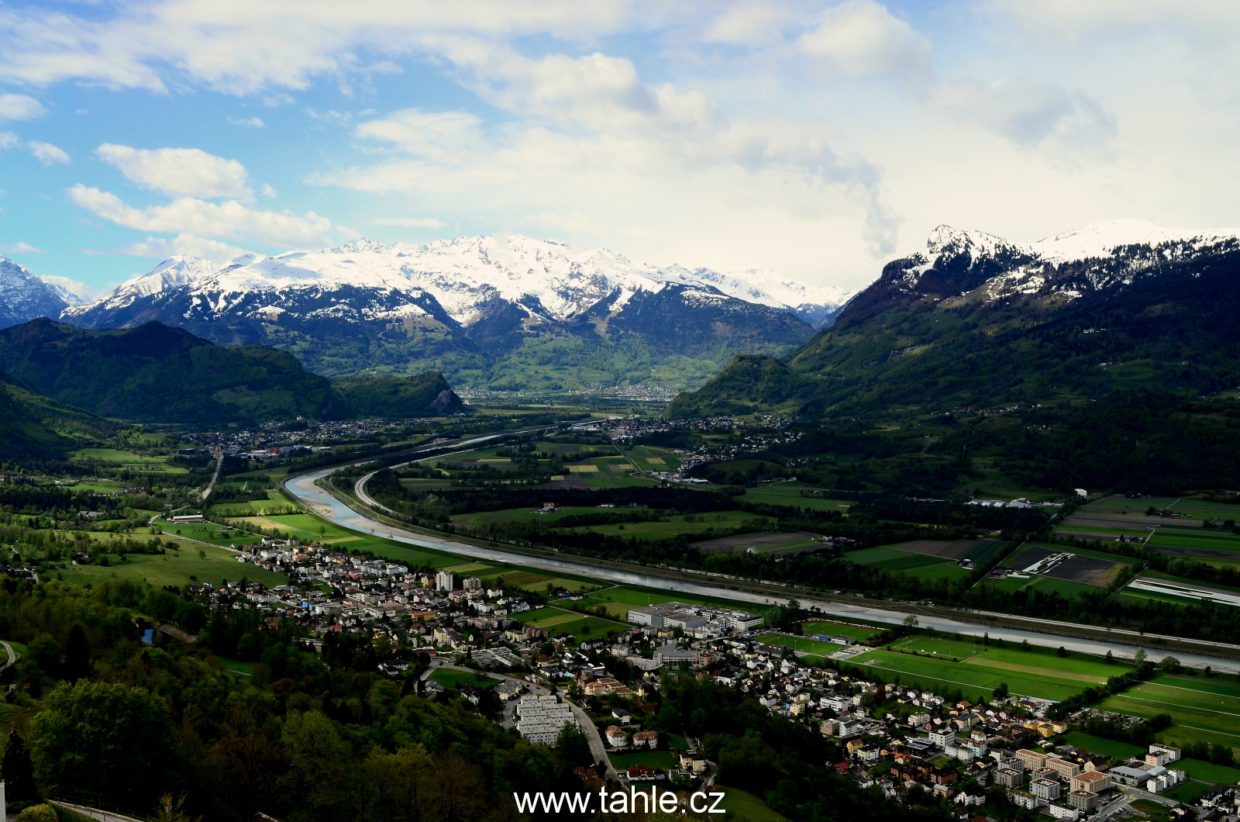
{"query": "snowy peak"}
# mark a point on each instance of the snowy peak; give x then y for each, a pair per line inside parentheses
(1101, 239)
(24, 296)
(946, 240)
(464, 275)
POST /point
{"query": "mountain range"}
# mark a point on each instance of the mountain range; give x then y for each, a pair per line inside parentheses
(973, 320)
(156, 373)
(24, 296)
(501, 312)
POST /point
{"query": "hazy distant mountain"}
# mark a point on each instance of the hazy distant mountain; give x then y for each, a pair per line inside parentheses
(973, 319)
(499, 311)
(23, 296)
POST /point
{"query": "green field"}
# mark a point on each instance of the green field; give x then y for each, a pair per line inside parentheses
(309, 528)
(208, 532)
(801, 644)
(538, 581)
(859, 633)
(275, 503)
(115, 459)
(560, 622)
(1206, 772)
(945, 665)
(1202, 710)
(179, 567)
(745, 807)
(619, 599)
(674, 526)
(789, 494)
(893, 559)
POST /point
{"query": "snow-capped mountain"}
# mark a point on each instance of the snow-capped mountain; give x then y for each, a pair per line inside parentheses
(968, 265)
(24, 296)
(478, 299)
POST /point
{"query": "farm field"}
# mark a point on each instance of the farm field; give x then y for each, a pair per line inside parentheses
(678, 525)
(560, 622)
(208, 532)
(1116, 517)
(897, 560)
(180, 567)
(1202, 710)
(763, 543)
(115, 459)
(515, 577)
(746, 806)
(275, 503)
(478, 518)
(789, 494)
(1077, 566)
(945, 665)
(1166, 588)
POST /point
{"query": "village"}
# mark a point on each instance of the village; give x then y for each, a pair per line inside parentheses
(893, 738)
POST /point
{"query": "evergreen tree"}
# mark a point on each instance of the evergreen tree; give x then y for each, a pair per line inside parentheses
(18, 772)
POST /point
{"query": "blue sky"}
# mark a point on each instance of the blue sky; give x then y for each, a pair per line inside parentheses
(813, 139)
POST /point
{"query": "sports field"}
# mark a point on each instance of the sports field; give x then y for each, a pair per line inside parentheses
(619, 599)
(859, 633)
(807, 646)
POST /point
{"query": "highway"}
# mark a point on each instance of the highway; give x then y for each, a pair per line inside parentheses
(305, 489)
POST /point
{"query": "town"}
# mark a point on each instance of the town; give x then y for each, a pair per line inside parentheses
(894, 738)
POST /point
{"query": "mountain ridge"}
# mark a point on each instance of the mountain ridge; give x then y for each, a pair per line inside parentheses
(487, 311)
(974, 320)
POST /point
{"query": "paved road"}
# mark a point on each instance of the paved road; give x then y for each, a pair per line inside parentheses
(12, 657)
(219, 461)
(305, 489)
(598, 749)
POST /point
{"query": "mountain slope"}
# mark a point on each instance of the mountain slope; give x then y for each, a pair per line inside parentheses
(23, 296)
(422, 395)
(161, 374)
(33, 427)
(973, 320)
(497, 311)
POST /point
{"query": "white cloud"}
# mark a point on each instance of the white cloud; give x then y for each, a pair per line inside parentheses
(1030, 114)
(862, 38)
(48, 154)
(247, 122)
(247, 47)
(9, 140)
(749, 24)
(20, 248)
(78, 289)
(188, 172)
(189, 245)
(229, 219)
(19, 107)
(429, 223)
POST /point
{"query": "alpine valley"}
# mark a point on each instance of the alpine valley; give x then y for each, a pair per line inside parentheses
(498, 312)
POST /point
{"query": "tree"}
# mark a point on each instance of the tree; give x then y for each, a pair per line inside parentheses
(77, 654)
(910, 621)
(103, 743)
(1138, 659)
(18, 771)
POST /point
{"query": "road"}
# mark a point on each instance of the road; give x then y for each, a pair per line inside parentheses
(306, 490)
(219, 462)
(12, 657)
(94, 813)
(597, 747)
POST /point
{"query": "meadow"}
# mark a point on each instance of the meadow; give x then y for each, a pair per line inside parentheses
(945, 665)
(1201, 709)
(192, 562)
(561, 622)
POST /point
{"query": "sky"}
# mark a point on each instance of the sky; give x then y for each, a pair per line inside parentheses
(815, 140)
